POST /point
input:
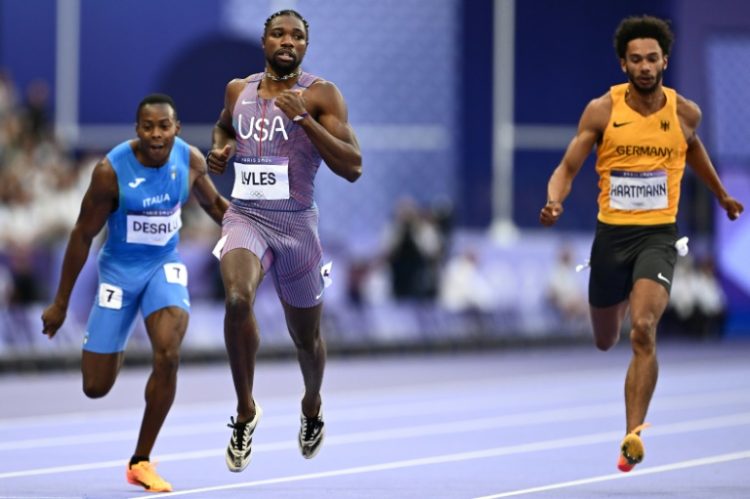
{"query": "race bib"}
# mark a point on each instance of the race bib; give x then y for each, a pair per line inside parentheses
(110, 296)
(265, 177)
(153, 228)
(638, 190)
(176, 273)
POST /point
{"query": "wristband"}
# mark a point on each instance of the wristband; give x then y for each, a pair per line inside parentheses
(300, 117)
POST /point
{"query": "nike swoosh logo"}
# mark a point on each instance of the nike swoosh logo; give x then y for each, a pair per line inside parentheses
(245, 102)
(618, 125)
(135, 183)
(663, 278)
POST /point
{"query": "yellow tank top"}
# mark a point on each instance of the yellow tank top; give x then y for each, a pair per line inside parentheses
(640, 163)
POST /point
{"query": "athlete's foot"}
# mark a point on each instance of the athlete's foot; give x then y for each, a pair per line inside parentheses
(631, 450)
(239, 450)
(311, 433)
(144, 474)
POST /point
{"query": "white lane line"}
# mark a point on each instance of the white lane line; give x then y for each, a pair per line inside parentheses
(197, 408)
(692, 463)
(336, 440)
(680, 402)
(683, 369)
(464, 456)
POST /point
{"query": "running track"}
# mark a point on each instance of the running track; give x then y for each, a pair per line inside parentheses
(531, 422)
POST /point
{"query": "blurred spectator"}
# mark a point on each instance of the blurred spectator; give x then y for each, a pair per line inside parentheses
(697, 305)
(355, 282)
(35, 110)
(464, 287)
(414, 252)
(565, 293)
(711, 302)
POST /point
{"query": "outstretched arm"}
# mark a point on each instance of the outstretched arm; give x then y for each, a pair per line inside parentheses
(329, 131)
(213, 203)
(590, 129)
(98, 202)
(697, 158)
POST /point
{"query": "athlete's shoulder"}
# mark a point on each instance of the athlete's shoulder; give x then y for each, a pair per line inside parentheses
(597, 112)
(122, 149)
(602, 102)
(180, 143)
(122, 155)
(242, 81)
(688, 111)
(324, 89)
(104, 176)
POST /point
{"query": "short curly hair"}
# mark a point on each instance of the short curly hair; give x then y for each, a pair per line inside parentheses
(287, 12)
(644, 26)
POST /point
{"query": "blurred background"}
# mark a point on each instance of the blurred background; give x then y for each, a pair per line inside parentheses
(462, 109)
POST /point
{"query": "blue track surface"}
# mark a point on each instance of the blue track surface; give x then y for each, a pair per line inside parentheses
(539, 423)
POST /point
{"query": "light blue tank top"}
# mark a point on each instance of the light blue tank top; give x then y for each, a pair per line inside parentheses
(148, 218)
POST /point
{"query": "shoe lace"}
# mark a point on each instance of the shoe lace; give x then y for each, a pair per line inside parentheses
(240, 437)
(311, 427)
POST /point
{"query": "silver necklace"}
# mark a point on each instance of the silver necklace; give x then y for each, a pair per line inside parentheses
(285, 77)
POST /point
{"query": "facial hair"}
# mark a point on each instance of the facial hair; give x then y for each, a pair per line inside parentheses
(283, 70)
(646, 90)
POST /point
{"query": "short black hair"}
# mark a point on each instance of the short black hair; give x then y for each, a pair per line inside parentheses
(287, 12)
(155, 99)
(644, 26)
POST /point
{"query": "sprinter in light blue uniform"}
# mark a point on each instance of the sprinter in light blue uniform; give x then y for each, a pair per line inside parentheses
(138, 190)
(139, 267)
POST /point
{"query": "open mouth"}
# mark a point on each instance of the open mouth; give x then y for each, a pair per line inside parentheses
(285, 56)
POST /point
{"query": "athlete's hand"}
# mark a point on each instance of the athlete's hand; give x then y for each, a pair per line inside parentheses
(732, 207)
(217, 159)
(550, 213)
(291, 102)
(52, 318)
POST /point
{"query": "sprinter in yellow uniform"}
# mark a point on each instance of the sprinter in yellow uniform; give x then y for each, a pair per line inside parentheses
(644, 134)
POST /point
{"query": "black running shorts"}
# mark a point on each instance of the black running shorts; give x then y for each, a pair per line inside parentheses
(622, 254)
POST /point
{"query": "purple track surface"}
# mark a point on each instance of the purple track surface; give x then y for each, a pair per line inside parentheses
(534, 422)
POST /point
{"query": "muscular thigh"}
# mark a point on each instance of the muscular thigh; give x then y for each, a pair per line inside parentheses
(167, 287)
(124, 289)
(657, 261)
(115, 307)
(298, 269)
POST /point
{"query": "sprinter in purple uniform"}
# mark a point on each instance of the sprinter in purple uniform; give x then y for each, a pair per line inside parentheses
(277, 126)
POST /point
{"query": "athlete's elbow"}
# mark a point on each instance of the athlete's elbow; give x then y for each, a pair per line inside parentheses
(353, 173)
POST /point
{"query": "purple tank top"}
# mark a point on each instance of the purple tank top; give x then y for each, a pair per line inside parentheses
(266, 136)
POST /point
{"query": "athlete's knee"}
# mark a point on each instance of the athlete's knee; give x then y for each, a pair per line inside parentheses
(238, 303)
(643, 334)
(167, 359)
(94, 388)
(309, 341)
(605, 342)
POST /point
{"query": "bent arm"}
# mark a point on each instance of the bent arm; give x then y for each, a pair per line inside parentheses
(213, 203)
(698, 159)
(331, 133)
(223, 135)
